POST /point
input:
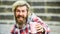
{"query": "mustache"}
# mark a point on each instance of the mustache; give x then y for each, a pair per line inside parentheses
(19, 16)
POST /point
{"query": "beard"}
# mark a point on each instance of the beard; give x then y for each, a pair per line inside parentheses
(21, 22)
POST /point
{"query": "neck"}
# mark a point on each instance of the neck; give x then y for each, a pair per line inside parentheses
(21, 26)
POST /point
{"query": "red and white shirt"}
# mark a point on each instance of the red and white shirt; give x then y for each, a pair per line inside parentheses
(26, 30)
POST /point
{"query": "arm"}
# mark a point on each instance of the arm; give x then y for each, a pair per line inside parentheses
(46, 30)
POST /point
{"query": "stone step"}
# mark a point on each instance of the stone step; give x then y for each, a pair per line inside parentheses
(37, 9)
(5, 6)
(38, 14)
(32, 3)
(54, 23)
(44, 3)
(47, 14)
(7, 21)
(52, 7)
(36, 0)
(44, 0)
(43, 16)
(8, 0)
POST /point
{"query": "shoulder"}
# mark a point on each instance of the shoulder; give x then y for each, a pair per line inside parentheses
(12, 29)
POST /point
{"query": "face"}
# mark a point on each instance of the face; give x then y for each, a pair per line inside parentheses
(21, 14)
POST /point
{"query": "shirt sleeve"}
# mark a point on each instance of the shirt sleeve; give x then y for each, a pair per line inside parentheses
(45, 26)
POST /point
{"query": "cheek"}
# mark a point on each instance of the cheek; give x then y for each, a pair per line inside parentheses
(25, 14)
(16, 13)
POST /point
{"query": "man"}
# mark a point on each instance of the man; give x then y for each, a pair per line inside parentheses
(23, 17)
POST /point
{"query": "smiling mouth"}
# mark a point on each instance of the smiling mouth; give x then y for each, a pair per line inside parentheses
(20, 18)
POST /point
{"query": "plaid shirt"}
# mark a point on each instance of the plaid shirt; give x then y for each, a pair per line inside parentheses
(26, 30)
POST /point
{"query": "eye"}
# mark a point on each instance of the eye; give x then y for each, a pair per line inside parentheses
(17, 10)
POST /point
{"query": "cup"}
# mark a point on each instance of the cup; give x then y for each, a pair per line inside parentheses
(32, 27)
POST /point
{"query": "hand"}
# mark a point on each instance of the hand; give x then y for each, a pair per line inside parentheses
(39, 28)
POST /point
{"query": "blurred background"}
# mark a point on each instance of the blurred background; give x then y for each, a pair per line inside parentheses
(47, 10)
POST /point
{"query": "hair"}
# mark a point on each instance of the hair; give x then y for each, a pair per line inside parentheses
(21, 3)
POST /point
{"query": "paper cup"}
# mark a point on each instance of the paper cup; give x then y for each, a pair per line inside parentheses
(32, 27)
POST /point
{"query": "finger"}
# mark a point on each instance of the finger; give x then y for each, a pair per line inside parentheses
(38, 28)
(38, 24)
(41, 30)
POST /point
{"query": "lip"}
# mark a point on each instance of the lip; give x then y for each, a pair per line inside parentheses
(20, 18)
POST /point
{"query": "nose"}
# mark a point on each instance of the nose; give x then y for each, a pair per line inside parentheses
(20, 13)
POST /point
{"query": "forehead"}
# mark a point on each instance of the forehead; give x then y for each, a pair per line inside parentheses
(21, 8)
